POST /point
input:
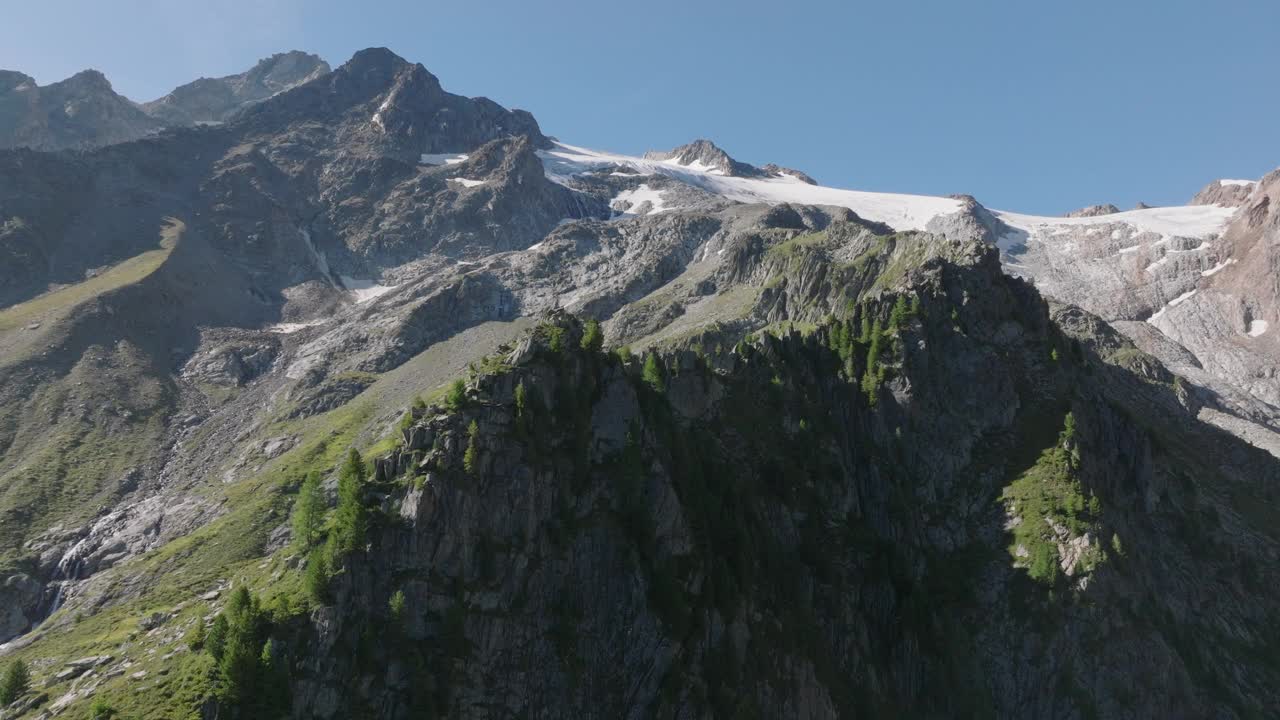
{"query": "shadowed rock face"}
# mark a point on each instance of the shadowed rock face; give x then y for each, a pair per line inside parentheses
(700, 521)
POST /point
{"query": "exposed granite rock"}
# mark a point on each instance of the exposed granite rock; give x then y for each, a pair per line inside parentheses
(22, 598)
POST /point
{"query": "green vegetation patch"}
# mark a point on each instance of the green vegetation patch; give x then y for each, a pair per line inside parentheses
(125, 273)
(1046, 495)
(801, 242)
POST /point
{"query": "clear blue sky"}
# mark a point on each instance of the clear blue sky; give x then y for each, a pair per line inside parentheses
(1028, 105)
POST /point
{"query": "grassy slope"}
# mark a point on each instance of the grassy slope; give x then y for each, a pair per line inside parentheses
(232, 549)
(56, 304)
(78, 436)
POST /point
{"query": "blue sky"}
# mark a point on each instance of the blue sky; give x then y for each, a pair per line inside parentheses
(1027, 105)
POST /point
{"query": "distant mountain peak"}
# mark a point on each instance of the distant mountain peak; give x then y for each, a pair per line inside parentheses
(1228, 193)
(12, 80)
(82, 111)
(212, 100)
(1094, 211)
(703, 154)
(374, 59)
(89, 78)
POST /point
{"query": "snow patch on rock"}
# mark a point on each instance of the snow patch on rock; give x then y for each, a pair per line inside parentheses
(443, 158)
(1218, 268)
(365, 290)
(287, 328)
(643, 200)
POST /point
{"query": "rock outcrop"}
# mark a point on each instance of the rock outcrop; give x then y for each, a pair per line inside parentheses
(1231, 193)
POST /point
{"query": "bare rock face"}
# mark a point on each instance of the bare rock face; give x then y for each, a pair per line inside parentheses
(1229, 193)
(1229, 323)
(1207, 289)
(22, 600)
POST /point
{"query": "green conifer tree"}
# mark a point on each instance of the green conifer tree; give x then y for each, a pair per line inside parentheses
(470, 459)
(15, 682)
(592, 336)
(652, 373)
(308, 512)
(351, 518)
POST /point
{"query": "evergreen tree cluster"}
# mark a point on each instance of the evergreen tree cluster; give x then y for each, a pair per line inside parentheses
(251, 676)
(326, 547)
(871, 336)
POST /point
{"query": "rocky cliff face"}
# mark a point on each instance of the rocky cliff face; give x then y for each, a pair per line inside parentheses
(758, 532)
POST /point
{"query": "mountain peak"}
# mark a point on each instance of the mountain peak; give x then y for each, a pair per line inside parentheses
(703, 154)
(374, 59)
(11, 80)
(213, 100)
(1094, 211)
(1228, 193)
(284, 70)
(89, 79)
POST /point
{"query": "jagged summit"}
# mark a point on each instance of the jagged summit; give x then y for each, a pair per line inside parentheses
(705, 155)
(89, 79)
(394, 107)
(212, 100)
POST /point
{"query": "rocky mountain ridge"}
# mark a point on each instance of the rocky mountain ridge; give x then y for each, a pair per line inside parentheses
(215, 100)
(84, 111)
